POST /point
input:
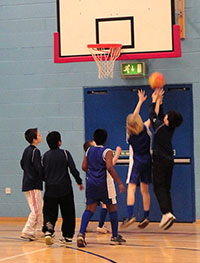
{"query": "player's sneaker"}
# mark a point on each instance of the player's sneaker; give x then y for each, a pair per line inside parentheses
(28, 237)
(103, 230)
(166, 220)
(127, 222)
(65, 240)
(81, 240)
(117, 240)
(144, 223)
(48, 238)
(170, 223)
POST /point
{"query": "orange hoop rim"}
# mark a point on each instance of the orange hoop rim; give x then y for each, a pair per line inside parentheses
(104, 45)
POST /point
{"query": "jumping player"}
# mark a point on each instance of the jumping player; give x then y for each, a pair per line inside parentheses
(139, 139)
(164, 127)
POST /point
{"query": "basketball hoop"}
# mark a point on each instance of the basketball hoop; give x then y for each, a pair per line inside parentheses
(105, 56)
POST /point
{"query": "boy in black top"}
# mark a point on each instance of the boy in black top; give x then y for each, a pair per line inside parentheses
(58, 189)
(164, 127)
(32, 184)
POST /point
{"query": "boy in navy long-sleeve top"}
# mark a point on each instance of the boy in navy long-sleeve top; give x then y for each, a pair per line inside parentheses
(32, 184)
(164, 127)
(58, 189)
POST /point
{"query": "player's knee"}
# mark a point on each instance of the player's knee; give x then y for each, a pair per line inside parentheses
(111, 208)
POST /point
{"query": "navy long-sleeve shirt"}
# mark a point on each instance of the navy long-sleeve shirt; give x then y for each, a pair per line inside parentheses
(31, 165)
(162, 144)
(56, 166)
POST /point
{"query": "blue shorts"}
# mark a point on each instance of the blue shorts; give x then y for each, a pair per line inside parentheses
(99, 194)
(107, 201)
(141, 174)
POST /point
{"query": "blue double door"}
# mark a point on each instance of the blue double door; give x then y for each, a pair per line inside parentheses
(108, 108)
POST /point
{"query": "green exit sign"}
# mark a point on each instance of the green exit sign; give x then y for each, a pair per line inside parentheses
(135, 69)
(122, 153)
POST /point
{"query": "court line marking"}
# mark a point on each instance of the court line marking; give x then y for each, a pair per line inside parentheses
(91, 253)
(24, 254)
(152, 246)
(146, 239)
(77, 249)
(99, 256)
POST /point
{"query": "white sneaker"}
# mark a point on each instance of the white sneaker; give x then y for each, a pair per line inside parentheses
(103, 230)
(28, 237)
(170, 223)
(166, 220)
(48, 238)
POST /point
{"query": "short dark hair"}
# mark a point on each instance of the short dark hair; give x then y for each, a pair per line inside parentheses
(100, 136)
(87, 144)
(31, 134)
(175, 119)
(52, 139)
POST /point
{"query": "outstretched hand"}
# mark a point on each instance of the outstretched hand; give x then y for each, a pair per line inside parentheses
(118, 149)
(160, 95)
(141, 95)
(157, 95)
(154, 95)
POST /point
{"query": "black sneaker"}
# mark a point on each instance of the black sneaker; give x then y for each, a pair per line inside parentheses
(117, 240)
(81, 240)
(65, 240)
(127, 222)
(144, 223)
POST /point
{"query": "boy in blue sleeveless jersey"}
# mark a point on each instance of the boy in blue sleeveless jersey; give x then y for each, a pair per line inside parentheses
(101, 228)
(139, 139)
(97, 160)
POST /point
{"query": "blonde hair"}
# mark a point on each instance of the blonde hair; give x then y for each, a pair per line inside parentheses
(134, 124)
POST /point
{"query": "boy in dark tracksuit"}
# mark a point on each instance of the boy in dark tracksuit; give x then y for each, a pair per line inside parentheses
(58, 189)
(164, 127)
(32, 184)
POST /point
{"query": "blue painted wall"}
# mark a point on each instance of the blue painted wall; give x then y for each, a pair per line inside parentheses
(35, 92)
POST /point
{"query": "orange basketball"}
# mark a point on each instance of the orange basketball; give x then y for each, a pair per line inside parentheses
(156, 80)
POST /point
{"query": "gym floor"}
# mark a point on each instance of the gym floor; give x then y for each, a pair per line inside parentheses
(180, 244)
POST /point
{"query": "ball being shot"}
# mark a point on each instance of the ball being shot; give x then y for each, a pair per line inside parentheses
(156, 80)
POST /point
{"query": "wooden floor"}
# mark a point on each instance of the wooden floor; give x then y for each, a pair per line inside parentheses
(179, 244)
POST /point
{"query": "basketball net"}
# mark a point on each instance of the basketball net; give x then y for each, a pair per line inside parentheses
(105, 56)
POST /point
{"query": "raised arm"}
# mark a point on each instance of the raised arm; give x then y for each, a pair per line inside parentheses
(153, 115)
(158, 98)
(117, 154)
(142, 97)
